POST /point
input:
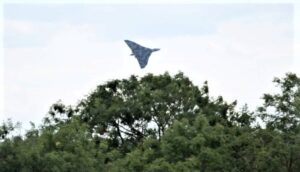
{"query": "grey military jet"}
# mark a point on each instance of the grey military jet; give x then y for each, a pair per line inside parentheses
(141, 53)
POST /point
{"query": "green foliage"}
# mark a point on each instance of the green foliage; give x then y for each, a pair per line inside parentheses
(6, 128)
(65, 148)
(160, 123)
(281, 111)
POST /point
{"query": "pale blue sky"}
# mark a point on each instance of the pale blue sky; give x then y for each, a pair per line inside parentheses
(63, 52)
(117, 22)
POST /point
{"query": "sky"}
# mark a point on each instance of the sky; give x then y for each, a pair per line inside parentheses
(63, 51)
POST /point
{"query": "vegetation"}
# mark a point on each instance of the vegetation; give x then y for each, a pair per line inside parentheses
(160, 123)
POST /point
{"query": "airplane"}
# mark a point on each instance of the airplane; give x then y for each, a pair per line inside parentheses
(141, 53)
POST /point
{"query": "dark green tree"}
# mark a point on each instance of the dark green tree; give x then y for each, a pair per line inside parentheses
(129, 110)
(280, 113)
(160, 123)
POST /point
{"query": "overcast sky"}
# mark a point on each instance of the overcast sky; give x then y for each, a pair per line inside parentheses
(62, 52)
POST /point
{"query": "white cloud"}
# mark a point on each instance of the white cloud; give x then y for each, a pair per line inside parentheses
(17, 26)
(296, 66)
(65, 69)
(239, 61)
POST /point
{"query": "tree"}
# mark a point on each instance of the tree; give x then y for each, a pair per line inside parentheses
(160, 123)
(7, 127)
(129, 110)
(281, 112)
(67, 147)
